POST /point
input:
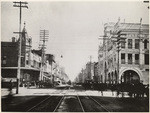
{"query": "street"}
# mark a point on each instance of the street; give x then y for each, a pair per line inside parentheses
(72, 100)
(64, 56)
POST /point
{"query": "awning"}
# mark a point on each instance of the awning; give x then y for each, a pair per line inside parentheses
(26, 68)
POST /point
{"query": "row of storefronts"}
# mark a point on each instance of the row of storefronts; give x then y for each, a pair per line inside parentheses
(33, 69)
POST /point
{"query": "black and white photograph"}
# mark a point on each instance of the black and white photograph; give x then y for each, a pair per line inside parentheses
(75, 56)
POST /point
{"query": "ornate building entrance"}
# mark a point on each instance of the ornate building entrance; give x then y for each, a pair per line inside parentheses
(130, 76)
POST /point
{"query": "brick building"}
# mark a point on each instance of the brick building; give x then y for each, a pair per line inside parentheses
(30, 61)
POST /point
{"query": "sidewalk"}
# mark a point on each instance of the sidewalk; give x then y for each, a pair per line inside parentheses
(23, 91)
(106, 93)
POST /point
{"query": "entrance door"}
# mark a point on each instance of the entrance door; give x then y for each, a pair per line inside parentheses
(130, 76)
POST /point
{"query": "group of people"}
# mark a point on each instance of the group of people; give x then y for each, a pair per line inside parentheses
(134, 90)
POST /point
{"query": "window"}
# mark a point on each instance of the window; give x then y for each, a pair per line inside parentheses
(27, 62)
(146, 58)
(122, 44)
(130, 43)
(136, 58)
(136, 43)
(39, 65)
(146, 69)
(129, 58)
(22, 60)
(114, 58)
(122, 58)
(145, 44)
(4, 60)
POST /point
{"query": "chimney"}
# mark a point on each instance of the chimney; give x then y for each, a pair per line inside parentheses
(13, 39)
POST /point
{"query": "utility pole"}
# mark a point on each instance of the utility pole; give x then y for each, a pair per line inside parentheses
(20, 5)
(44, 34)
(90, 67)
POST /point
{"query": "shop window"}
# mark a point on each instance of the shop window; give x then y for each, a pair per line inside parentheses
(136, 58)
(146, 58)
(122, 58)
(136, 43)
(130, 43)
(129, 58)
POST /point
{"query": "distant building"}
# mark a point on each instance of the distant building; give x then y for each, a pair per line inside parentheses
(89, 73)
(63, 76)
(96, 77)
(133, 53)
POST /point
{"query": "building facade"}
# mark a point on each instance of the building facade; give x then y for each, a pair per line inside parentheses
(96, 77)
(33, 69)
(124, 57)
(88, 74)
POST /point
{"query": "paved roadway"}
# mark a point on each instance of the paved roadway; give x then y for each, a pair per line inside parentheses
(70, 100)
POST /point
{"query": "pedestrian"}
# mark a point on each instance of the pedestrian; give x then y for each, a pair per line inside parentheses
(9, 97)
(10, 86)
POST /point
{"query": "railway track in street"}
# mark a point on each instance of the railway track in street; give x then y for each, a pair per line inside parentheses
(56, 108)
(38, 104)
(49, 104)
(80, 103)
(64, 100)
(89, 104)
(100, 104)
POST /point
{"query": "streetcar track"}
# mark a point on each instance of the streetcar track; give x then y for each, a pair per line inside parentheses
(80, 103)
(32, 108)
(100, 104)
(38, 104)
(58, 104)
(60, 101)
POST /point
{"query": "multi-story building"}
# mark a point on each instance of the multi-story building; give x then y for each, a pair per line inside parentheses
(30, 61)
(124, 54)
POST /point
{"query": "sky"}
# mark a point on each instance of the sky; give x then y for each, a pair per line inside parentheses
(74, 26)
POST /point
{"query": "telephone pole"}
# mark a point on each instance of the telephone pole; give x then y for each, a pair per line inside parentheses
(90, 67)
(20, 5)
(44, 34)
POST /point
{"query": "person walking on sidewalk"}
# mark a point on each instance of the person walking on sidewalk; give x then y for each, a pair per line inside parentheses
(10, 87)
(10, 95)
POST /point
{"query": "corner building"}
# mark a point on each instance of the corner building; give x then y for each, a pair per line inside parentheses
(132, 63)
